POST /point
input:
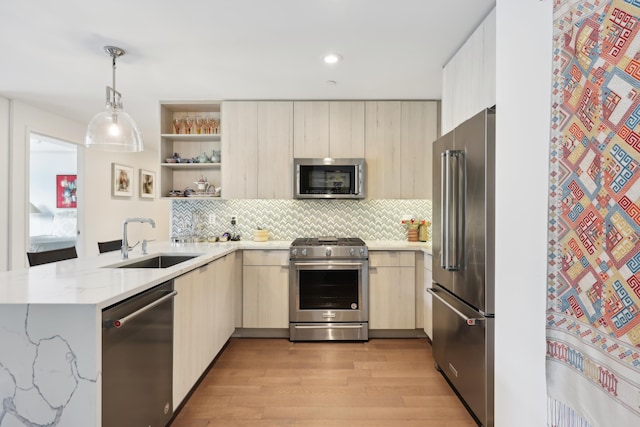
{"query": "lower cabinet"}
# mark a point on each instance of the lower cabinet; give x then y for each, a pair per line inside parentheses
(428, 308)
(204, 319)
(265, 289)
(392, 290)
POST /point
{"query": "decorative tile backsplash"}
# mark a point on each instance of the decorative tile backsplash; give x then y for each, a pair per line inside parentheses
(289, 219)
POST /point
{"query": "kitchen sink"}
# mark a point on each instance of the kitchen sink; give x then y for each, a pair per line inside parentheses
(156, 261)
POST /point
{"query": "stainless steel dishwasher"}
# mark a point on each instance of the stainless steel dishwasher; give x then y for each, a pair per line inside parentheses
(137, 359)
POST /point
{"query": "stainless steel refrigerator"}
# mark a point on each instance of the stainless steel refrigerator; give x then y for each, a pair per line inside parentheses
(463, 261)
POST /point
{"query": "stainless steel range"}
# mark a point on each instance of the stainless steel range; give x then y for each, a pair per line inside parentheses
(328, 289)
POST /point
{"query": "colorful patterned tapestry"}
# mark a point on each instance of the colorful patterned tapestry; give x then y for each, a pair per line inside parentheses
(593, 305)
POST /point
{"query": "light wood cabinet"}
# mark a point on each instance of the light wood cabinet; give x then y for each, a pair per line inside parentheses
(275, 149)
(382, 143)
(428, 304)
(258, 148)
(346, 129)
(204, 319)
(392, 299)
(192, 335)
(329, 129)
(240, 149)
(265, 289)
(311, 129)
(419, 128)
(469, 78)
(178, 176)
(398, 140)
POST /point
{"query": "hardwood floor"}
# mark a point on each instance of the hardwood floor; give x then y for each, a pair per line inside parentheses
(274, 382)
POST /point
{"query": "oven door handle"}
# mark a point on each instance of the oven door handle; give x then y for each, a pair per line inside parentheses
(332, 326)
(330, 263)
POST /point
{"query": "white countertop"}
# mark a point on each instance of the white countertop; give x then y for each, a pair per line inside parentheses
(89, 280)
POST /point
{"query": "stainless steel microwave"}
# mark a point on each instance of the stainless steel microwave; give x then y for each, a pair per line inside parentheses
(327, 178)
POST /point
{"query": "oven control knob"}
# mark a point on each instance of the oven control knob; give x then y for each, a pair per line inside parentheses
(304, 252)
(352, 252)
(294, 252)
(328, 251)
(361, 251)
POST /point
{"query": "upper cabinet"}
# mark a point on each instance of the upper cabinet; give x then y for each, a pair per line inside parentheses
(346, 129)
(382, 145)
(398, 138)
(261, 138)
(275, 149)
(311, 129)
(469, 78)
(240, 148)
(258, 148)
(419, 128)
(328, 129)
(190, 145)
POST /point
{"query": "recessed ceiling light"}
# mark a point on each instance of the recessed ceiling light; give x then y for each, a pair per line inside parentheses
(333, 58)
(331, 82)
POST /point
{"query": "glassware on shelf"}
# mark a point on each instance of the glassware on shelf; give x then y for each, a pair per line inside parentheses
(177, 125)
(188, 124)
(209, 122)
(199, 122)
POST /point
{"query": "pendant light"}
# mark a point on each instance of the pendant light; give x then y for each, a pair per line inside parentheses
(113, 129)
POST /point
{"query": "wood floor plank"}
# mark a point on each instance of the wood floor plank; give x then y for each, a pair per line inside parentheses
(275, 382)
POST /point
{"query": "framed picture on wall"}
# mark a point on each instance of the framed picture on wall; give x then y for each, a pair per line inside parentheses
(66, 186)
(147, 184)
(121, 180)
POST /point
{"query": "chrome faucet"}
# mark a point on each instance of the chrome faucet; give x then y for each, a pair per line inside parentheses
(124, 250)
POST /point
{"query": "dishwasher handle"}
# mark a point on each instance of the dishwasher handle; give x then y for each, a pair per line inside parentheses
(470, 321)
(118, 323)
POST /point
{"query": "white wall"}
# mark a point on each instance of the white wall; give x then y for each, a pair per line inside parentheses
(4, 182)
(524, 41)
(102, 214)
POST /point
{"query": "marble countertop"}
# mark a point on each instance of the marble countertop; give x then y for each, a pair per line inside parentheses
(91, 280)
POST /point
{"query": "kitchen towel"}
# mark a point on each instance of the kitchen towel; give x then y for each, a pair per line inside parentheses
(593, 294)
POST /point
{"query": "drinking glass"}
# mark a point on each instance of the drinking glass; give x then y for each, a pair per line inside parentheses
(177, 125)
(188, 123)
(199, 123)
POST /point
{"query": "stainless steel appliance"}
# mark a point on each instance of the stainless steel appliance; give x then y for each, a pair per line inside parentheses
(328, 178)
(137, 360)
(463, 261)
(328, 289)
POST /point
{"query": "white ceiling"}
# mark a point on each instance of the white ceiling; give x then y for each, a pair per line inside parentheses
(53, 57)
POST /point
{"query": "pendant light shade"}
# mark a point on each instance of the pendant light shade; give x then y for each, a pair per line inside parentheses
(113, 129)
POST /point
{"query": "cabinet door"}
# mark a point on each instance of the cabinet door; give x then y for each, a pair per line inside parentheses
(239, 148)
(382, 145)
(182, 338)
(346, 129)
(223, 307)
(392, 301)
(419, 130)
(428, 304)
(265, 289)
(192, 343)
(275, 150)
(311, 129)
(265, 297)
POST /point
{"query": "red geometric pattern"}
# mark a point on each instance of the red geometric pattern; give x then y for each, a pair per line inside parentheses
(593, 305)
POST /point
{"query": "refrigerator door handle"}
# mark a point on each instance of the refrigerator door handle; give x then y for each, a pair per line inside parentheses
(470, 321)
(452, 183)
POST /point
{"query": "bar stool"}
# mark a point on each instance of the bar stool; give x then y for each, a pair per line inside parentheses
(112, 245)
(45, 257)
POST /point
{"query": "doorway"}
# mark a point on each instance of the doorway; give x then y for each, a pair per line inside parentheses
(53, 196)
